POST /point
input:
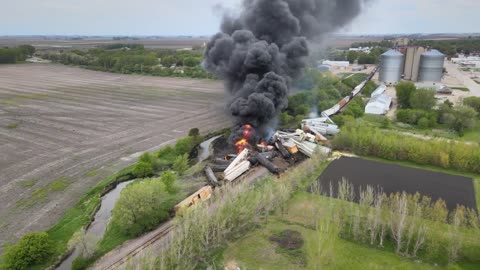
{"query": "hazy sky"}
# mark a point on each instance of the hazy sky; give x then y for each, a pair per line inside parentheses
(199, 17)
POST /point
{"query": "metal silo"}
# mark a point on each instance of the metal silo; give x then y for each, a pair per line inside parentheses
(391, 67)
(431, 66)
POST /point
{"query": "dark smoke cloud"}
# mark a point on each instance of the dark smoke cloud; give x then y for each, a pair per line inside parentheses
(261, 50)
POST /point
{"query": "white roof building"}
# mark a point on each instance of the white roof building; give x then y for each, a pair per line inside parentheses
(343, 64)
(379, 105)
(380, 90)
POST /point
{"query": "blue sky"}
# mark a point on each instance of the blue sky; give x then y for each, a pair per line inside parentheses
(201, 17)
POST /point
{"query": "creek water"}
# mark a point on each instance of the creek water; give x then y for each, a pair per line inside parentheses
(205, 149)
(99, 225)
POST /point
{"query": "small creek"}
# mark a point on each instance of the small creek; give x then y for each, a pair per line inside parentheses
(99, 225)
(205, 149)
(102, 217)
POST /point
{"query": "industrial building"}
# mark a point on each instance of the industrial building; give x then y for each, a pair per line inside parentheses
(412, 62)
(337, 64)
(431, 66)
(417, 64)
(379, 105)
(470, 61)
(380, 90)
(391, 66)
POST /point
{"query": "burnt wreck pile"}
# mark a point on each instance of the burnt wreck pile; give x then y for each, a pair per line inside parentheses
(283, 150)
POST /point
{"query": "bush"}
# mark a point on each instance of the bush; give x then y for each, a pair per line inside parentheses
(473, 102)
(142, 206)
(412, 117)
(169, 179)
(32, 249)
(180, 165)
(422, 99)
(404, 92)
(143, 169)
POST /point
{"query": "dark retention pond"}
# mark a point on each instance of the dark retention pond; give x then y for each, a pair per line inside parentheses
(453, 189)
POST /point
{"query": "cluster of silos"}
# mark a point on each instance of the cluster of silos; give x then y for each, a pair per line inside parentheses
(417, 64)
(431, 66)
(391, 66)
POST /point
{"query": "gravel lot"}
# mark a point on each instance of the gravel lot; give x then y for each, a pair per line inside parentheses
(453, 189)
(63, 129)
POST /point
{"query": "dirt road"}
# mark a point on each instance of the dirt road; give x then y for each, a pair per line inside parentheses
(63, 129)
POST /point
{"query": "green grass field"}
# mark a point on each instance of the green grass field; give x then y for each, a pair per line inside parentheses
(320, 251)
(326, 250)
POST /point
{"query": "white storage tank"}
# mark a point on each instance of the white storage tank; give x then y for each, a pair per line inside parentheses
(391, 66)
(431, 66)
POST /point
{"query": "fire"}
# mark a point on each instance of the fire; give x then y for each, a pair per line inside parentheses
(243, 143)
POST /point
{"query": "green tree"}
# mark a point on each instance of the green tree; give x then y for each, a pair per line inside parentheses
(404, 92)
(352, 56)
(422, 99)
(180, 165)
(143, 169)
(464, 119)
(169, 179)
(191, 62)
(27, 50)
(194, 132)
(32, 249)
(473, 102)
(142, 206)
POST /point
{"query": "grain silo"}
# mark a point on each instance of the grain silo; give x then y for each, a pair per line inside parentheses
(391, 67)
(431, 66)
(412, 62)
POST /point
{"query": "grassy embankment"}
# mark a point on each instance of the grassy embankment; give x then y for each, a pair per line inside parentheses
(81, 214)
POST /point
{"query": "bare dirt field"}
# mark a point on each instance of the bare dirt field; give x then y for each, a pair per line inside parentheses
(453, 189)
(63, 129)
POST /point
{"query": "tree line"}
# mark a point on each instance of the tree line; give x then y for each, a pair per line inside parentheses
(374, 142)
(412, 224)
(418, 107)
(16, 54)
(135, 58)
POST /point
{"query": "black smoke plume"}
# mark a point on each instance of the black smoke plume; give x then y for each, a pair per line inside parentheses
(259, 52)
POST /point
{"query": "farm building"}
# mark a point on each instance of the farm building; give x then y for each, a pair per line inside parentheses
(337, 64)
(380, 90)
(439, 88)
(379, 105)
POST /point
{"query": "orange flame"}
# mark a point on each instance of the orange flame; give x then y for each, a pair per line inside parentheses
(243, 143)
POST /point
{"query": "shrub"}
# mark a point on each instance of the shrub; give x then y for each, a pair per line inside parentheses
(404, 91)
(32, 249)
(180, 165)
(143, 169)
(422, 99)
(473, 102)
(194, 132)
(168, 179)
(423, 123)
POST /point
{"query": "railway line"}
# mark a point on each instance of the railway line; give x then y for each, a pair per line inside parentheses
(344, 101)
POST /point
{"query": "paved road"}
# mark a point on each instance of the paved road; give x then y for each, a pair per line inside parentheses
(463, 78)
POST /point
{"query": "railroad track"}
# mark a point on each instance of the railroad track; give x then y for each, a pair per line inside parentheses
(139, 249)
